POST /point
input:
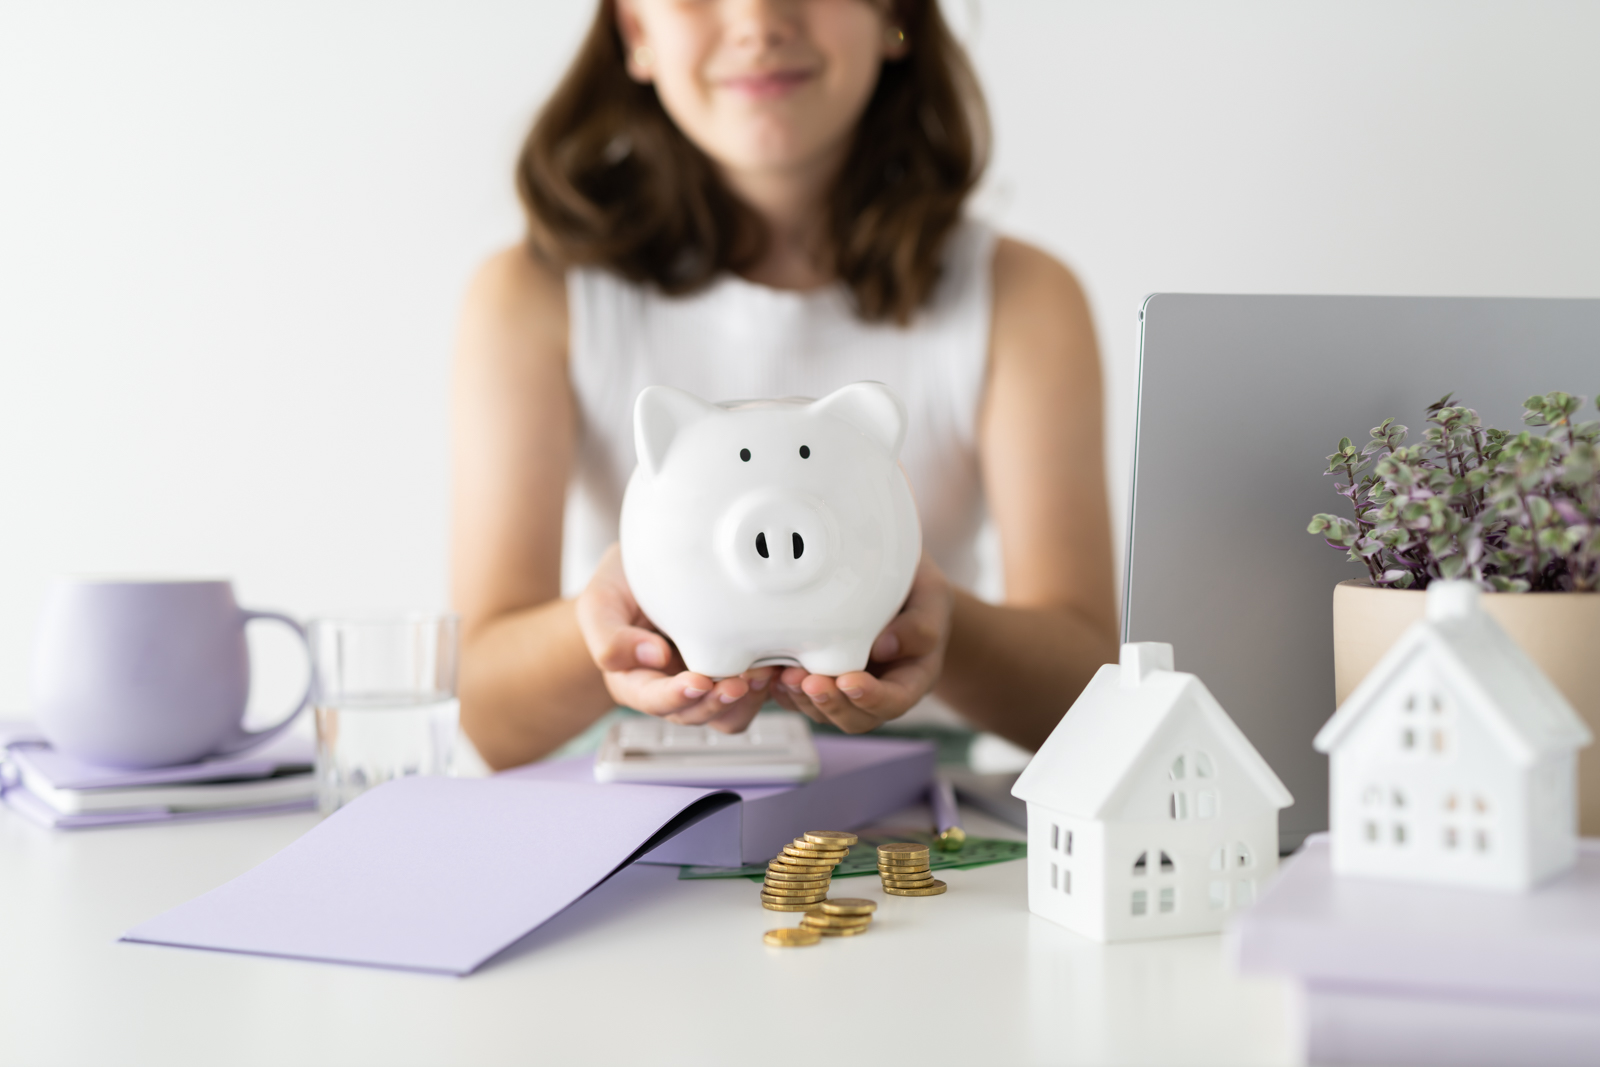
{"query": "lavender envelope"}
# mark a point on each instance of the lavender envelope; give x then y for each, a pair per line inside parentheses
(433, 874)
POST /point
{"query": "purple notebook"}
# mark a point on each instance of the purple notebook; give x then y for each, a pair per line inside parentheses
(31, 757)
(64, 772)
(434, 874)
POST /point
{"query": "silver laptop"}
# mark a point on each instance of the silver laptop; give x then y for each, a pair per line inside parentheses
(1241, 399)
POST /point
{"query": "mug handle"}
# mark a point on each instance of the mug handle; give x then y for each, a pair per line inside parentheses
(250, 738)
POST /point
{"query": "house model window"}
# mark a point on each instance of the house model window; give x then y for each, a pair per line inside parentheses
(1128, 833)
(1453, 760)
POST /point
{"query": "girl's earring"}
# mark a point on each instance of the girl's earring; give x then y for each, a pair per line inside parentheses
(643, 57)
(894, 37)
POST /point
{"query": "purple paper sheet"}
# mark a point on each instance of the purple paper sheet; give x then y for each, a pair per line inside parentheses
(433, 874)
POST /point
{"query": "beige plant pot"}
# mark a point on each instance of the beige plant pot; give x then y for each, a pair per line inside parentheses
(1559, 631)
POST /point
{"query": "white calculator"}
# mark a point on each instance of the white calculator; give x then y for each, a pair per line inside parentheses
(775, 750)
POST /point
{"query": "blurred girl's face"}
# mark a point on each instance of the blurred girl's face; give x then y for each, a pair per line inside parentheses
(761, 85)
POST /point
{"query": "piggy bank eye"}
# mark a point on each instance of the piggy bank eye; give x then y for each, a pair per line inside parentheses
(744, 454)
(805, 451)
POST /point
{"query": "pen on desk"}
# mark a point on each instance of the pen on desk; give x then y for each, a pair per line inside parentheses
(948, 834)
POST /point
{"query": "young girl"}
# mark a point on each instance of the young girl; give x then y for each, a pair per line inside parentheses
(761, 198)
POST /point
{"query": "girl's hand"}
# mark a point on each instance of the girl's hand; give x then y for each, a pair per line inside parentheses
(643, 671)
(906, 660)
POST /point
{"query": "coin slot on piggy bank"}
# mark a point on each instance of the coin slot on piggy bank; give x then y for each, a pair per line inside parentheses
(770, 531)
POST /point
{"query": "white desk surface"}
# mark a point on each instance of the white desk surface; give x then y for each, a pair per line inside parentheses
(647, 970)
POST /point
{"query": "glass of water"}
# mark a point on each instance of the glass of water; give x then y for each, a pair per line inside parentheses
(386, 700)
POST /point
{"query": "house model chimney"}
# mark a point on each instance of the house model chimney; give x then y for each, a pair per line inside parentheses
(1139, 658)
(1451, 600)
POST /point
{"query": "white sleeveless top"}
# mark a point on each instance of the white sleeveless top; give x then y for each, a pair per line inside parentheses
(736, 340)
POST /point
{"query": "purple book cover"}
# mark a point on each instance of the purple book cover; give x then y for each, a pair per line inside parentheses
(862, 779)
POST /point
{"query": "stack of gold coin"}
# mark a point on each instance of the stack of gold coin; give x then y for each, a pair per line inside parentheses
(904, 867)
(840, 917)
(798, 877)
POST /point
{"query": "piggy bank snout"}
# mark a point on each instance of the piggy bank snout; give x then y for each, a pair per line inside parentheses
(773, 542)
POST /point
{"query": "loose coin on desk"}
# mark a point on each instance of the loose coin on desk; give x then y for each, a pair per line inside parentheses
(791, 937)
(848, 906)
(821, 920)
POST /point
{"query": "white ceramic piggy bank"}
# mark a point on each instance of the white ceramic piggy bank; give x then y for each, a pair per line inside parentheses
(770, 531)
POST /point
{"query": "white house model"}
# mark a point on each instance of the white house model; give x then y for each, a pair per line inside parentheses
(1455, 759)
(1149, 813)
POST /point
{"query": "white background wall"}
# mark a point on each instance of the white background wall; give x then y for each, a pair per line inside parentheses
(233, 237)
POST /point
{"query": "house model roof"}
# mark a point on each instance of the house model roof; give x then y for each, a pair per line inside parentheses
(1092, 757)
(1487, 670)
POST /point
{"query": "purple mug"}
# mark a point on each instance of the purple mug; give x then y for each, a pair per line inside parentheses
(147, 673)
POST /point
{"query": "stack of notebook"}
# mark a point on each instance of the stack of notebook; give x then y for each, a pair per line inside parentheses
(1393, 972)
(58, 791)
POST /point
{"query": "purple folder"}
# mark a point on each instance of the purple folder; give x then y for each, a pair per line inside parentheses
(861, 780)
(434, 874)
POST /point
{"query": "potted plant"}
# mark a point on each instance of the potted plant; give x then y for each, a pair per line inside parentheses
(1518, 513)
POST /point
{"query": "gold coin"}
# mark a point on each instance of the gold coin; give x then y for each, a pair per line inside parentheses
(831, 838)
(908, 865)
(789, 859)
(810, 874)
(849, 906)
(904, 861)
(932, 889)
(906, 874)
(791, 853)
(903, 848)
(770, 906)
(817, 920)
(791, 937)
(908, 883)
(833, 846)
(817, 893)
(802, 887)
(802, 873)
(842, 931)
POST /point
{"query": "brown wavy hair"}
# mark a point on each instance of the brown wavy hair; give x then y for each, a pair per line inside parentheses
(606, 178)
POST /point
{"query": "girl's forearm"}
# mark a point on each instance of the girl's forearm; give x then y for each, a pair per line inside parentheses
(528, 684)
(1015, 670)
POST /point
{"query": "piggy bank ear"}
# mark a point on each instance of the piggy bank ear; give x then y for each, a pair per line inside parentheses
(871, 408)
(659, 414)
